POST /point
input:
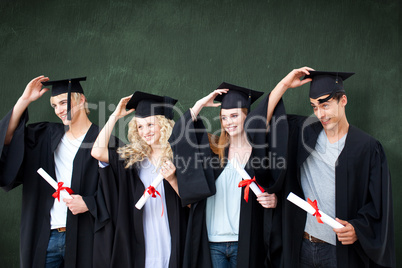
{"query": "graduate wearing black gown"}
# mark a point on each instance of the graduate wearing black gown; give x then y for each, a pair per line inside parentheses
(121, 241)
(199, 166)
(363, 199)
(32, 147)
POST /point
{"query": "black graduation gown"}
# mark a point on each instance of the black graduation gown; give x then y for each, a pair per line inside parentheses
(120, 242)
(197, 169)
(363, 196)
(31, 148)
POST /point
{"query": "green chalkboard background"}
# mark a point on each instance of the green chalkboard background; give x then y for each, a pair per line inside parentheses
(187, 48)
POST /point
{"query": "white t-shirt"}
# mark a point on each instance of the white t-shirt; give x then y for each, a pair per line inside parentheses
(63, 159)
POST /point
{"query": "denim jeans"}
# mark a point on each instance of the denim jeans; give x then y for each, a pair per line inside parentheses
(56, 249)
(317, 255)
(223, 254)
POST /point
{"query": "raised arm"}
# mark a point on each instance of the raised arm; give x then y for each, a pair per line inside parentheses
(207, 101)
(292, 80)
(100, 148)
(32, 92)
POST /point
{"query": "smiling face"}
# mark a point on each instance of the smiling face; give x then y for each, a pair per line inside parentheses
(232, 121)
(59, 104)
(330, 113)
(149, 129)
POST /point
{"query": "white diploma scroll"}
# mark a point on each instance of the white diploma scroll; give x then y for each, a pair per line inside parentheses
(53, 183)
(146, 195)
(307, 207)
(253, 186)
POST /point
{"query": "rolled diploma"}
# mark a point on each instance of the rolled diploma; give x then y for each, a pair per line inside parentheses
(146, 195)
(53, 183)
(307, 207)
(245, 175)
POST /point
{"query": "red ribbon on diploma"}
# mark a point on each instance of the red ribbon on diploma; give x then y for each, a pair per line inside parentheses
(315, 206)
(247, 189)
(60, 188)
(152, 191)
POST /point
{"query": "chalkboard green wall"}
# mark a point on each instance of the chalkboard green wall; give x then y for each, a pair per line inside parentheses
(187, 48)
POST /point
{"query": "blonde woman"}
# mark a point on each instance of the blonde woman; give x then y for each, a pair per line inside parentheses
(152, 236)
(226, 224)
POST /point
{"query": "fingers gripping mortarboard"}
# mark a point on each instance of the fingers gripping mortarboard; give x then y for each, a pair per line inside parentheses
(66, 86)
(324, 83)
(237, 97)
(146, 104)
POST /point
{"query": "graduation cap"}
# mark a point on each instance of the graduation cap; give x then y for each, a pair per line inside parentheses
(237, 97)
(66, 86)
(325, 83)
(146, 104)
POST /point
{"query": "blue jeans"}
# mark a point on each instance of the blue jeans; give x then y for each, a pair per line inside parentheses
(317, 255)
(223, 254)
(56, 249)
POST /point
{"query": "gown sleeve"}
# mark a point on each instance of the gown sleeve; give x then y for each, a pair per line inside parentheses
(108, 195)
(269, 144)
(374, 226)
(12, 155)
(192, 158)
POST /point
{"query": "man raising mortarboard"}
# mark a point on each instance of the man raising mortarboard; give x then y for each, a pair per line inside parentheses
(344, 173)
(54, 232)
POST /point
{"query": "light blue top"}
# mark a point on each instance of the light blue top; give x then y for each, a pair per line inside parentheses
(223, 208)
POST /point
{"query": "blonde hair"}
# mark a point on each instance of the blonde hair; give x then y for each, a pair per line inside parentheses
(137, 149)
(219, 144)
(77, 97)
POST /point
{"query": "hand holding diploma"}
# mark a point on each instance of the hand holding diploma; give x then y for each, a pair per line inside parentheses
(346, 235)
(150, 191)
(247, 181)
(313, 210)
(60, 190)
(167, 171)
(267, 200)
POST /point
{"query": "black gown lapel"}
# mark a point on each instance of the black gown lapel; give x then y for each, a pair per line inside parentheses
(309, 132)
(341, 196)
(82, 153)
(245, 224)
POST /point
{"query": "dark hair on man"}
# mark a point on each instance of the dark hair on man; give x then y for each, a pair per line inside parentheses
(338, 96)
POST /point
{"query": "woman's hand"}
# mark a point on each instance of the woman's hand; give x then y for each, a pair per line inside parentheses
(208, 101)
(121, 110)
(267, 200)
(168, 171)
(100, 148)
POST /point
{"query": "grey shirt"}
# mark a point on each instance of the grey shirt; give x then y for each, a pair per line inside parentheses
(318, 183)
